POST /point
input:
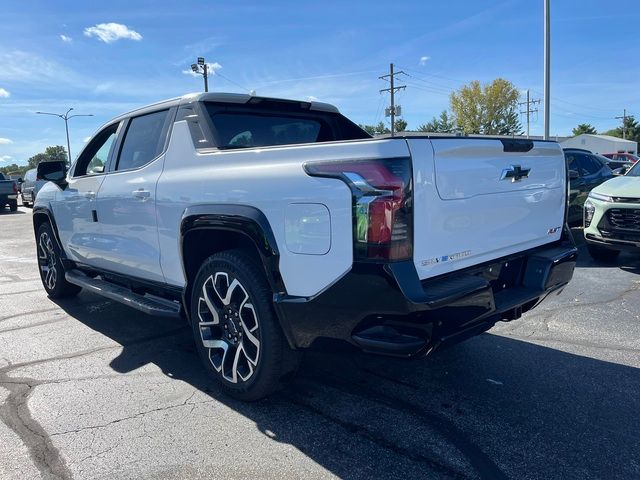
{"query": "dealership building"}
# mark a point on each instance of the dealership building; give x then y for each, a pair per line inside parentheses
(600, 143)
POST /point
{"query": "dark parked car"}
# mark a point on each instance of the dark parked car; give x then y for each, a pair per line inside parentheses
(8, 193)
(586, 171)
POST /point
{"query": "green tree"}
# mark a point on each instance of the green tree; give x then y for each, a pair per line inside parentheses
(381, 128)
(51, 154)
(490, 109)
(584, 128)
(632, 130)
(14, 169)
(443, 124)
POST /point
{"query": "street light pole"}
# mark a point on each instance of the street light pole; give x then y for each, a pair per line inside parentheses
(547, 66)
(66, 117)
(202, 68)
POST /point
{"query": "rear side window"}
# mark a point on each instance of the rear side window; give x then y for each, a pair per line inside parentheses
(247, 126)
(143, 141)
(246, 130)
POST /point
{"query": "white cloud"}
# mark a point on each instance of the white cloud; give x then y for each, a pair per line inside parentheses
(211, 68)
(4, 93)
(86, 139)
(29, 68)
(110, 32)
(311, 98)
(5, 158)
(424, 60)
(65, 39)
(5, 141)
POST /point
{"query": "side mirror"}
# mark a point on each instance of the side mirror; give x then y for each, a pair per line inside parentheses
(573, 175)
(55, 172)
(20, 180)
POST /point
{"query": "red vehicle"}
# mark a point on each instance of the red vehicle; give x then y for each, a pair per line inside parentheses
(623, 157)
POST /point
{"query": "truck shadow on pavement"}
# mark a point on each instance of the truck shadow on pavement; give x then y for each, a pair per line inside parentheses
(629, 262)
(493, 407)
(9, 212)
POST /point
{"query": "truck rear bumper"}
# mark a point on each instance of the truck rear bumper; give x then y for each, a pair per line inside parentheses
(387, 309)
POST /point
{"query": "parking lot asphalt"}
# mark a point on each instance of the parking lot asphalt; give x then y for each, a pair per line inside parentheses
(92, 389)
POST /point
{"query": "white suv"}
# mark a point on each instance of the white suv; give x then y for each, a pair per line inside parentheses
(277, 225)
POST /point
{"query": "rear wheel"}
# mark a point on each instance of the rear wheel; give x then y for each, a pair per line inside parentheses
(13, 206)
(602, 254)
(50, 265)
(237, 333)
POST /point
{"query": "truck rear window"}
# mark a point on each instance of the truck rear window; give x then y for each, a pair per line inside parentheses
(247, 127)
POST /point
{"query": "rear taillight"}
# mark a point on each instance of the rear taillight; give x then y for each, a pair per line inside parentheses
(382, 204)
(15, 188)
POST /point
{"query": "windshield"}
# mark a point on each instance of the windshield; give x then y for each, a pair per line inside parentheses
(634, 171)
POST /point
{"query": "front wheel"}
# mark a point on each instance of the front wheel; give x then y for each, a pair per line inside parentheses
(50, 265)
(237, 333)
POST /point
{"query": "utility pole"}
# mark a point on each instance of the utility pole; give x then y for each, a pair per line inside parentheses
(393, 110)
(528, 109)
(624, 123)
(547, 65)
(66, 117)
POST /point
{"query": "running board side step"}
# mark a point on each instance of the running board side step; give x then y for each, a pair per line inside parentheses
(148, 304)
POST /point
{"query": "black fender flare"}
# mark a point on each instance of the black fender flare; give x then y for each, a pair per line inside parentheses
(38, 212)
(243, 219)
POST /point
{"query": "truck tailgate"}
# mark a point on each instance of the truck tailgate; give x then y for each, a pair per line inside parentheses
(481, 199)
(6, 187)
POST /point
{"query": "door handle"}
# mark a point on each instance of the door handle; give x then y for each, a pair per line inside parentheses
(90, 195)
(141, 194)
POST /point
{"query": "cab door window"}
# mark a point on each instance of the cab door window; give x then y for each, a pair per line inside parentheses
(588, 165)
(572, 164)
(95, 156)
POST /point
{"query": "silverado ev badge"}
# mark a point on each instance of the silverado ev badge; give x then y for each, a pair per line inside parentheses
(515, 173)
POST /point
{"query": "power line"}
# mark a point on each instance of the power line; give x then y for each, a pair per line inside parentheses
(457, 80)
(392, 110)
(431, 84)
(218, 74)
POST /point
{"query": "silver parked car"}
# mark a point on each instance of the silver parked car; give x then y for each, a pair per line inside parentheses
(31, 185)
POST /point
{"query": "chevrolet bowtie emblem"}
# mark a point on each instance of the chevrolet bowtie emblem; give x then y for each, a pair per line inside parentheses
(515, 173)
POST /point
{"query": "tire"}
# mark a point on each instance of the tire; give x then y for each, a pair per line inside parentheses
(13, 206)
(602, 254)
(50, 265)
(236, 331)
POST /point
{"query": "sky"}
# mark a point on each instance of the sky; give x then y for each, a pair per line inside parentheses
(110, 57)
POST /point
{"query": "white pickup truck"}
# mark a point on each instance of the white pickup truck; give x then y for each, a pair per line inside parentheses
(276, 226)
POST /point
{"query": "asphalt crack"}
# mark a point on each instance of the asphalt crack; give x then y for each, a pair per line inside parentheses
(15, 413)
(134, 416)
